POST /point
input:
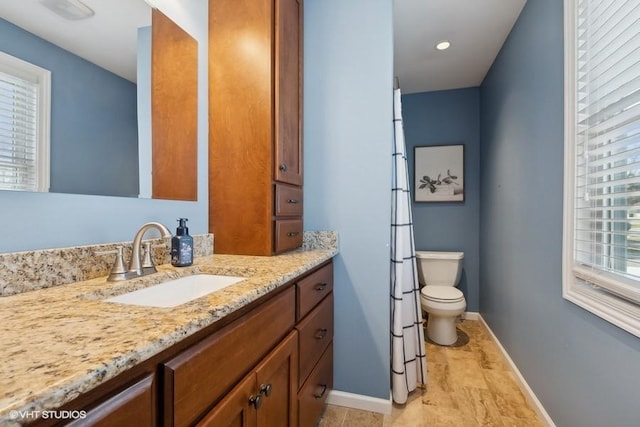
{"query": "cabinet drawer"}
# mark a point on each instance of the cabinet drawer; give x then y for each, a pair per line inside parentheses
(313, 288)
(314, 393)
(199, 376)
(288, 200)
(288, 234)
(316, 332)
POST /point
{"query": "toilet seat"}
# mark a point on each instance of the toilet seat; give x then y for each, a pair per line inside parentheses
(444, 294)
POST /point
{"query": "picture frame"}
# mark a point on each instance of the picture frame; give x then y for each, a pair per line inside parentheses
(439, 173)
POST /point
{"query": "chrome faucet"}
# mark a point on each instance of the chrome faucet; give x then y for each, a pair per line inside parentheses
(135, 267)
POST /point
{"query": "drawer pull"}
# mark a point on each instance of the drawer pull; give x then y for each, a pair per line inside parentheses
(255, 401)
(293, 233)
(265, 389)
(283, 167)
(320, 287)
(323, 389)
(293, 201)
(321, 333)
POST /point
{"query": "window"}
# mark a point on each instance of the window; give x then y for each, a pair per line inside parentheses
(601, 266)
(24, 125)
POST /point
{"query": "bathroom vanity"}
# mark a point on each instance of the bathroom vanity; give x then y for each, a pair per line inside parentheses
(258, 351)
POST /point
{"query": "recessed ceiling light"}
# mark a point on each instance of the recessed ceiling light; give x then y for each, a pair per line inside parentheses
(443, 45)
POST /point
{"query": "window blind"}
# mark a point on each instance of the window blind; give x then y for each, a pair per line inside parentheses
(607, 151)
(18, 133)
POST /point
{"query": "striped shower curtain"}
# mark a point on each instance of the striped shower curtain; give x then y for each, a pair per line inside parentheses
(408, 359)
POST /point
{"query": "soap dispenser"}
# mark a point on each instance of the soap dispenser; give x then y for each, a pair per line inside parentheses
(182, 245)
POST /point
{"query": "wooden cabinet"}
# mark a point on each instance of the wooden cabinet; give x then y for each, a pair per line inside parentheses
(314, 307)
(202, 374)
(135, 405)
(313, 394)
(268, 365)
(266, 397)
(255, 125)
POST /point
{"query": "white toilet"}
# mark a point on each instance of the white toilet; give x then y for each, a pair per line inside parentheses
(439, 272)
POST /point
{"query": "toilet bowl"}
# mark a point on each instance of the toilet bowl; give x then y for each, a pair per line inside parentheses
(439, 273)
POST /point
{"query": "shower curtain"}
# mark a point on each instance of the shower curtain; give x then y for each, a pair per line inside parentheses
(408, 359)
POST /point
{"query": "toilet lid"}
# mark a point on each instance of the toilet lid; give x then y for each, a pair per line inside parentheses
(442, 293)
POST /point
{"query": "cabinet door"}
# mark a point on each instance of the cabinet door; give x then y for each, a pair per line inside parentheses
(288, 161)
(277, 382)
(237, 409)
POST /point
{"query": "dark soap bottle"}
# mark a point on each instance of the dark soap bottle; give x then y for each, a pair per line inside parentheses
(182, 246)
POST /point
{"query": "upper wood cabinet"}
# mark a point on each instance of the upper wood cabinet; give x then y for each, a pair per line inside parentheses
(255, 125)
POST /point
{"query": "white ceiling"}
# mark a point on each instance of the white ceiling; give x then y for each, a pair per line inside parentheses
(107, 39)
(476, 29)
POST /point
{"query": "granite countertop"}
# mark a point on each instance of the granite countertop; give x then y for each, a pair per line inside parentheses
(59, 342)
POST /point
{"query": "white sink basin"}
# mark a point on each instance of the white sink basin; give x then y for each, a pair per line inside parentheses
(177, 291)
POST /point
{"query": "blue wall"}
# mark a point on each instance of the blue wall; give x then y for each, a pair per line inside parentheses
(442, 118)
(584, 370)
(94, 133)
(348, 133)
(38, 220)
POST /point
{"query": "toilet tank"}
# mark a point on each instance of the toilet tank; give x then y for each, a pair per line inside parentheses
(439, 268)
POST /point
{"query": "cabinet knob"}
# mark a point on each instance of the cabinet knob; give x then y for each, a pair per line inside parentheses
(320, 287)
(255, 401)
(292, 234)
(293, 201)
(283, 167)
(265, 389)
(320, 391)
(321, 333)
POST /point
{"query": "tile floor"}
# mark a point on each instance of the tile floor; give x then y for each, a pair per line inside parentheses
(471, 385)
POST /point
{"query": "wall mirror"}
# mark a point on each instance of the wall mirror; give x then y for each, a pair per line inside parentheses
(123, 94)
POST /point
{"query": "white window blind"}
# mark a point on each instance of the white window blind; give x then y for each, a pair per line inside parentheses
(602, 205)
(24, 125)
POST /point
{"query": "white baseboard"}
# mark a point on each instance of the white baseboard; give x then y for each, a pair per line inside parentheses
(471, 315)
(359, 401)
(529, 394)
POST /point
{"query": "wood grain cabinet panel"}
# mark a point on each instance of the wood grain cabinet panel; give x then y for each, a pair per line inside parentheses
(289, 200)
(312, 289)
(288, 234)
(266, 397)
(316, 333)
(135, 405)
(255, 122)
(200, 375)
(313, 394)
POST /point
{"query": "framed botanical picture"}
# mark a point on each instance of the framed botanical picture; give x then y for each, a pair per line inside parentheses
(439, 173)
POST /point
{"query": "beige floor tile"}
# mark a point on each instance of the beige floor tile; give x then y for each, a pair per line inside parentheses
(436, 397)
(358, 418)
(408, 416)
(467, 386)
(333, 416)
(521, 422)
(435, 416)
(490, 356)
(466, 373)
(507, 395)
(478, 405)
(436, 354)
(438, 377)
